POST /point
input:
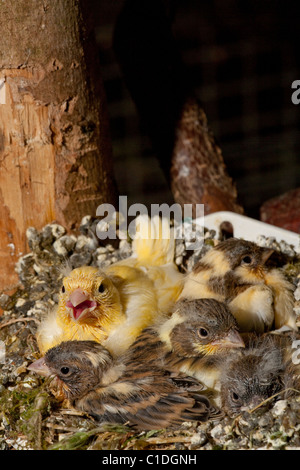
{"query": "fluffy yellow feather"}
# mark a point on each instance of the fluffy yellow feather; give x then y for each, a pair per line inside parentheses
(112, 306)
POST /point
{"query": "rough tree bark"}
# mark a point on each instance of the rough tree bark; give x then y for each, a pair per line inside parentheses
(55, 148)
(198, 172)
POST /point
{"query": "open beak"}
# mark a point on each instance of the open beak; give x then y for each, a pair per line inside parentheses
(79, 304)
(40, 367)
(231, 340)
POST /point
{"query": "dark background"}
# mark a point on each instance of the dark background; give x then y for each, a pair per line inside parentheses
(240, 58)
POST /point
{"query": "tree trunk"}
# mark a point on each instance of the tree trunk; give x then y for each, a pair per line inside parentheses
(55, 148)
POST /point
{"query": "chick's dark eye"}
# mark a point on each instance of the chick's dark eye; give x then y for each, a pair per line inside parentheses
(234, 396)
(247, 260)
(63, 289)
(65, 370)
(101, 288)
(203, 333)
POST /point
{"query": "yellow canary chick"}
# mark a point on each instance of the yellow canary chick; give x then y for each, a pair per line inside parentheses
(112, 306)
(236, 272)
(153, 253)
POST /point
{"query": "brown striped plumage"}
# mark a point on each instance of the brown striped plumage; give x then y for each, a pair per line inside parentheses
(124, 389)
(236, 272)
(192, 341)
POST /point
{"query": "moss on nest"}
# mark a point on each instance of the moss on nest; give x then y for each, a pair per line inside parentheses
(31, 417)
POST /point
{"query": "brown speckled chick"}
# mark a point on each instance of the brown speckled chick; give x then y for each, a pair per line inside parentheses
(237, 272)
(122, 390)
(259, 374)
(197, 337)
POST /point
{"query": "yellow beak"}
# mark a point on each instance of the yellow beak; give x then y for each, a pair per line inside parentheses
(231, 340)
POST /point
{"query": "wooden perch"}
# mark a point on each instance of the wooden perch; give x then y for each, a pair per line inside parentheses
(198, 171)
(55, 149)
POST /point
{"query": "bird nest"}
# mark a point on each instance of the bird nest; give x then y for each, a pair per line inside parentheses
(32, 418)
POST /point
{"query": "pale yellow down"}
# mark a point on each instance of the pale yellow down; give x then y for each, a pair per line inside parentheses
(138, 290)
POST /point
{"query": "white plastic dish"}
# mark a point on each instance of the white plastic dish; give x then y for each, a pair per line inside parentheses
(250, 229)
